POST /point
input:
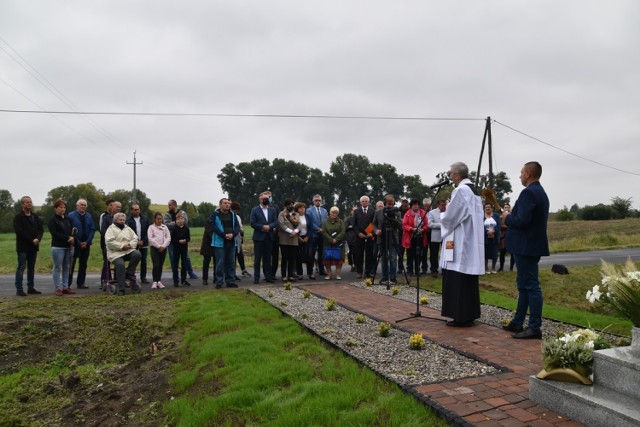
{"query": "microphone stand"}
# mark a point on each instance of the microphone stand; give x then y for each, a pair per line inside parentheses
(418, 253)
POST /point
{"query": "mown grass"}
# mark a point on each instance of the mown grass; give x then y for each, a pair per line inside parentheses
(262, 368)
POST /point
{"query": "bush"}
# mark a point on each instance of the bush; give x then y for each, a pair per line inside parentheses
(598, 212)
(565, 214)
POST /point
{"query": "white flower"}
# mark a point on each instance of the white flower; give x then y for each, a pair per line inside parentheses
(594, 294)
(634, 275)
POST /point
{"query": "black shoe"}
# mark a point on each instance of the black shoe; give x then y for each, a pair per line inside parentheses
(83, 287)
(33, 291)
(232, 285)
(205, 283)
(322, 273)
(256, 281)
(21, 293)
(176, 284)
(269, 280)
(512, 327)
(185, 283)
(455, 324)
(218, 286)
(528, 334)
(144, 280)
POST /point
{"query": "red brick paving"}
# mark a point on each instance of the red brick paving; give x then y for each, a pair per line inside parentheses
(492, 400)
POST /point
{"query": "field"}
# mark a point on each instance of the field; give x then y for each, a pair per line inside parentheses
(563, 237)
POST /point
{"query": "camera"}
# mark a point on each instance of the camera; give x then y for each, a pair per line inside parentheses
(390, 213)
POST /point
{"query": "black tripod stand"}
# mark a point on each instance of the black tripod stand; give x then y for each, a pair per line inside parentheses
(415, 237)
(388, 229)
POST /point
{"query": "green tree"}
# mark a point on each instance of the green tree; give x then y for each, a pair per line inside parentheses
(7, 211)
(621, 207)
(125, 197)
(244, 182)
(384, 179)
(70, 194)
(565, 214)
(192, 212)
(415, 189)
(501, 185)
(204, 210)
(597, 212)
(349, 179)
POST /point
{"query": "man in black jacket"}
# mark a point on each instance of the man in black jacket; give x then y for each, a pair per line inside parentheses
(140, 224)
(29, 231)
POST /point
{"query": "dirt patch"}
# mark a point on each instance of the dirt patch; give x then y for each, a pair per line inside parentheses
(87, 361)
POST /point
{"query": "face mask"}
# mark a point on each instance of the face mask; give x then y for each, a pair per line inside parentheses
(265, 201)
(270, 199)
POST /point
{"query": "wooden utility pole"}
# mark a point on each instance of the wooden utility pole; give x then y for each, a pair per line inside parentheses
(135, 191)
(486, 140)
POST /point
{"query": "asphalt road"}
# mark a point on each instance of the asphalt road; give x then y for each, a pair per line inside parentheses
(44, 283)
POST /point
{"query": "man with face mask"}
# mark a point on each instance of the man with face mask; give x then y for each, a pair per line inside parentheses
(264, 221)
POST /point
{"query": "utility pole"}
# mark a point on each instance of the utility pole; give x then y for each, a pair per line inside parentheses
(485, 139)
(135, 191)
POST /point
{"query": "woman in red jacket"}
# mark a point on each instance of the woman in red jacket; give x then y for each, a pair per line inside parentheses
(414, 235)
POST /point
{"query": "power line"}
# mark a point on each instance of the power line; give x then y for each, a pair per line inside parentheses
(283, 116)
(565, 151)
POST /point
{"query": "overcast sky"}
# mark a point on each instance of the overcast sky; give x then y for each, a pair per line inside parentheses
(565, 73)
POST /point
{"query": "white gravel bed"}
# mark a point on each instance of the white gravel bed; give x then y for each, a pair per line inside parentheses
(391, 356)
(489, 314)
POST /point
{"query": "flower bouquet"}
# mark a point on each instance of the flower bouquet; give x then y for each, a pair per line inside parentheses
(571, 351)
(619, 290)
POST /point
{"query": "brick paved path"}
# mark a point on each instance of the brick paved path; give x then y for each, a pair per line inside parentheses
(492, 400)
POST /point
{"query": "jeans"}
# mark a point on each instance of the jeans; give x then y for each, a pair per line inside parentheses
(389, 262)
(225, 264)
(28, 260)
(262, 255)
(529, 292)
(60, 258)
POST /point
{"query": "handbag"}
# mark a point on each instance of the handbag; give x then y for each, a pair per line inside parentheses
(332, 253)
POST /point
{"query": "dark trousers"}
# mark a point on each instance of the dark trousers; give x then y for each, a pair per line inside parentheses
(179, 259)
(275, 254)
(207, 259)
(512, 260)
(365, 261)
(414, 256)
(28, 260)
(288, 267)
(157, 260)
(434, 249)
(316, 250)
(424, 255)
(143, 262)
(129, 272)
(529, 292)
(262, 256)
(82, 255)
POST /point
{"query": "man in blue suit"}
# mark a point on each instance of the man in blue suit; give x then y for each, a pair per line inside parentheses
(264, 221)
(527, 241)
(318, 216)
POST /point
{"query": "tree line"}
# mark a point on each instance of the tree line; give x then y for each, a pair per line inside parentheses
(350, 176)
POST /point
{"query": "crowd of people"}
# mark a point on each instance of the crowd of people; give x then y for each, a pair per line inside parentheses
(460, 236)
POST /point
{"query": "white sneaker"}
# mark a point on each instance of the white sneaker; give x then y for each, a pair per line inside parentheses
(160, 285)
(154, 285)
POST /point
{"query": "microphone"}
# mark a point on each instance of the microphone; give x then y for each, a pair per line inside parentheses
(440, 184)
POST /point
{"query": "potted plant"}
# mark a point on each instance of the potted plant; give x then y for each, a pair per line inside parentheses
(569, 356)
(620, 290)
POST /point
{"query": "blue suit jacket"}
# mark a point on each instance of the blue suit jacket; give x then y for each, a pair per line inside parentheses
(527, 224)
(257, 220)
(316, 223)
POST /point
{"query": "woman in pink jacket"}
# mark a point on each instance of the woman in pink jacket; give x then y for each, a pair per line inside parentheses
(414, 235)
(159, 239)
